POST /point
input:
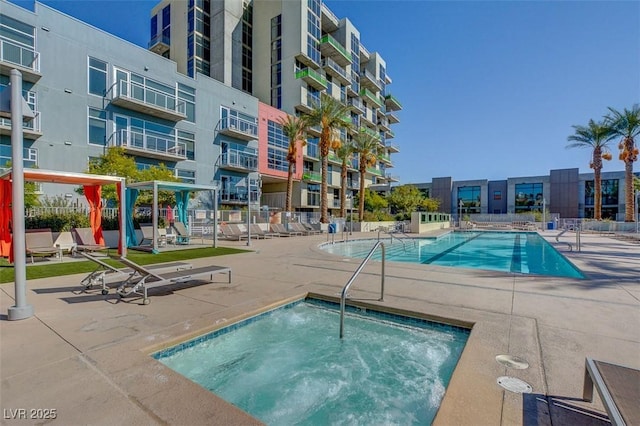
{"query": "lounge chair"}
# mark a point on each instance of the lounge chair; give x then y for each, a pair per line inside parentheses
(299, 227)
(65, 243)
(85, 240)
(310, 227)
(618, 387)
(104, 271)
(147, 235)
(40, 242)
(233, 233)
(182, 233)
(257, 230)
(282, 231)
(149, 279)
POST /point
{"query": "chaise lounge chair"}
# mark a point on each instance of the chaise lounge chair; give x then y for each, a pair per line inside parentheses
(182, 233)
(233, 233)
(149, 279)
(299, 227)
(40, 242)
(104, 271)
(280, 229)
(85, 240)
(147, 236)
(257, 230)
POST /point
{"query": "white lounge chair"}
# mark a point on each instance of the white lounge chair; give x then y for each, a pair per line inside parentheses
(40, 242)
(85, 241)
(149, 279)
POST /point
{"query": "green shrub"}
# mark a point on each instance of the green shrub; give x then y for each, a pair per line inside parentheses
(57, 222)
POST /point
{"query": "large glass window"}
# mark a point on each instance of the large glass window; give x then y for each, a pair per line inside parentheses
(528, 197)
(187, 95)
(312, 147)
(154, 26)
(276, 64)
(97, 127)
(30, 156)
(609, 192)
(97, 77)
(469, 199)
(278, 147)
(313, 194)
(186, 176)
(189, 140)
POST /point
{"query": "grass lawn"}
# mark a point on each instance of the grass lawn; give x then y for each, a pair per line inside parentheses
(55, 269)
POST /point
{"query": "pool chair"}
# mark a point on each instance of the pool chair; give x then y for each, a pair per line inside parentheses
(257, 230)
(182, 233)
(298, 227)
(40, 242)
(147, 236)
(233, 233)
(65, 243)
(85, 240)
(279, 229)
(618, 387)
(104, 273)
(149, 278)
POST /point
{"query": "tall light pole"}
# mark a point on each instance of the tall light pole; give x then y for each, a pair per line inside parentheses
(350, 197)
(544, 212)
(216, 188)
(248, 211)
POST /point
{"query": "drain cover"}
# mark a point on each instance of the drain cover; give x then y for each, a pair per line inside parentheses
(514, 384)
(512, 362)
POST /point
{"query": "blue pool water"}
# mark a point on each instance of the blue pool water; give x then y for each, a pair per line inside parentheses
(290, 367)
(517, 252)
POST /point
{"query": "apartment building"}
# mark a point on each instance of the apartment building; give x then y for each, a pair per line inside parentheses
(91, 90)
(286, 53)
(564, 191)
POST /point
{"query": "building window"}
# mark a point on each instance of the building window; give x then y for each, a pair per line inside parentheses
(154, 27)
(276, 64)
(313, 194)
(187, 95)
(247, 47)
(97, 127)
(528, 197)
(30, 156)
(189, 140)
(312, 147)
(186, 176)
(97, 77)
(609, 209)
(497, 195)
(469, 199)
(166, 19)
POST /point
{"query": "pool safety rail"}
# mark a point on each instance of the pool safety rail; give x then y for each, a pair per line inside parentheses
(577, 230)
(402, 240)
(343, 296)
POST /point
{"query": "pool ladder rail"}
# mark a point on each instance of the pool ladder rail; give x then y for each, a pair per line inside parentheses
(402, 240)
(343, 296)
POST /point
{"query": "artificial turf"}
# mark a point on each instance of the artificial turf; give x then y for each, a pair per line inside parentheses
(55, 269)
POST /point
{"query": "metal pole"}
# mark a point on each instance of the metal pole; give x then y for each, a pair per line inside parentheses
(544, 213)
(248, 211)
(215, 217)
(21, 310)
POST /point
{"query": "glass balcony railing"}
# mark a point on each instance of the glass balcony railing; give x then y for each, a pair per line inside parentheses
(151, 143)
(327, 39)
(239, 159)
(244, 127)
(159, 39)
(365, 93)
(330, 63)
(312, 77)
(19, 55)
(312, 176)
(374, 171)
(146, 96)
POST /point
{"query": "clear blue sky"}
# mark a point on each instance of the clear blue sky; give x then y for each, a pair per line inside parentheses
(490, 89)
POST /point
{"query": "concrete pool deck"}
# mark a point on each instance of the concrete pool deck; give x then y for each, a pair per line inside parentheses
(86, 356)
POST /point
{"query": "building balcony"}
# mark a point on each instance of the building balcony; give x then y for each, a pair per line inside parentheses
(354, 88)
(364, 54)
(388, 134)
(147, 100)
(332, 68)
(355, 104)
(330, 21)
(368, 80)
(315, 130)
(30, 129)
(307, 60)
(238, 160)
(234, 195)
(382, 111)
(160, 44)
(150, 145)
(331, 48)
(313, 78)
(393, 119)
(385, 159)
(312, 176)
(392, 103)
(311, 151)
(383, 124)
(392, 178)
(368, 119)
(374, 171)
(238, 128)
(307, 101)
(392, 148)
(368, 95)
(370, 132)
(25, 60)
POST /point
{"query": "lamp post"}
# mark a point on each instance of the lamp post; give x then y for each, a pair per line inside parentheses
(350, 198)
(544, 212)
(216, 188)
(248, 211)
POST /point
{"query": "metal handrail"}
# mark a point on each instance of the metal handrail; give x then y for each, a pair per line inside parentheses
(566, 242)
(343, 296)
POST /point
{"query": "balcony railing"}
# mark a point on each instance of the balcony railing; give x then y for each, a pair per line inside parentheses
(374, 171)
(356, 105)
(392, 148)
(308, 101)
(392, 103)
(365, 93)
(232, 195)
(239, 128)
(367, 78)
(26, 59)
(312, 176)
(370, 132)
(160, 44)
(239, 160)
(30, 129)
(392, 178)
(141, 98)
(313, 78)
(151, 145)
(333, 68)
(329, 46)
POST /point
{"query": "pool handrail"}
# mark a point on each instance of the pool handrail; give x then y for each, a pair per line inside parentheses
(343, 296)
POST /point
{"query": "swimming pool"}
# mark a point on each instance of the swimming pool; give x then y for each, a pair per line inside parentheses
(516, 252)
(289, 366)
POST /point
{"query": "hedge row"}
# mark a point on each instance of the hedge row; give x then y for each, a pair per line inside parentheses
(65, 221)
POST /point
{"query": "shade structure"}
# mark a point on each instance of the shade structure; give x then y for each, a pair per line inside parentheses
(70, 178)
(182, 191)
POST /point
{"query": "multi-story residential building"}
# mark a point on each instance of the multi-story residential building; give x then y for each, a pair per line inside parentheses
(564, 191)
(91, 90)
(286, 53)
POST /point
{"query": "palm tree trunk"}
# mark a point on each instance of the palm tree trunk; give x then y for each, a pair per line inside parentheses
(363, 170)
(324, 217)
(289, 187)
(343, 191)
(597, 183)
(629, 199)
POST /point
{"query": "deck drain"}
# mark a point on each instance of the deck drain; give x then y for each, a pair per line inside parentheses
(512, 362)
(514, 384)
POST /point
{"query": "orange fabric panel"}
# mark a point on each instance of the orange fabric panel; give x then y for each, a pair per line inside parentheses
(94, 194)
(5, 219)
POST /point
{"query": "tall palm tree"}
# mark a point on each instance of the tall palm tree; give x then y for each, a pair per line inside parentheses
(344, 153)
(295, 129)
(332, 116)
(626, 124)
(368, 149)
(595, 136)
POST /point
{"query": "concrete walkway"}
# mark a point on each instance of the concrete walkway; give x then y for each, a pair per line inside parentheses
(86, 356)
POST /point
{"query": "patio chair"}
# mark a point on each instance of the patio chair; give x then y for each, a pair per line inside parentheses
(149, 279)
(233, 233)
(147, 235)
(85, 240)
(104, 271)
(40, 242)
(182, 233)
(310, 227)
(65, 243)
(257, 230)
(299, 227)
(282, 231)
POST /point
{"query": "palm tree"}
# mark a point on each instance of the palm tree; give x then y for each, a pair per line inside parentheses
(344, 153)
(294, 128)
(367, 147)
(332, 116)
(626, 124)
(595, 136)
